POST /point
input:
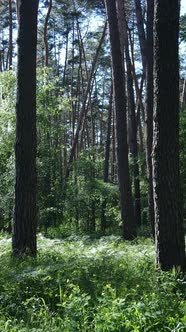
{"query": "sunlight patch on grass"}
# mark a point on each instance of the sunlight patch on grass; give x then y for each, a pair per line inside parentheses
(89, 285)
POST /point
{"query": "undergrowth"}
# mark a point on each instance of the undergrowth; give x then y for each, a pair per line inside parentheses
(79, 284)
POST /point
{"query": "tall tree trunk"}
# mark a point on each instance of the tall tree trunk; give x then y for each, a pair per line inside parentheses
(149, 109)
(1, 64)
(141, 33)
(45, 32)
(183, 95)
(113, 149)
(73, 118)
(3, 53)
(10, 50)
(25, 219)
(138, 89)
(169, 234)
(127, 212)
(66, 59)
(48, 178)
(121, 25)
(133, 141)
(106, 162)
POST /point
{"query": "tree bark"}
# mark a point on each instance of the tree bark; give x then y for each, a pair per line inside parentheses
(113, 147)
(25, 218)
(133, 136)
(127, 212)
(149, 109)
(169, 234)
(121, 25)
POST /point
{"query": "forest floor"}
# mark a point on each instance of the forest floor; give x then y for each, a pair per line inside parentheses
(80, 284)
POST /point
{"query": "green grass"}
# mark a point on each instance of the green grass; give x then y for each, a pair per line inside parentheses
(79, 284)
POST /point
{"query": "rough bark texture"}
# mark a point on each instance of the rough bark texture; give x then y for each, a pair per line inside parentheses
(127, 212)
(169, 234)
(24, 228)
(121, 24)
(149, 109)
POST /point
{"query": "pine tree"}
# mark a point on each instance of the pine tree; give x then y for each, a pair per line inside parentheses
(25, 219)
(169, 234)
(127, 211)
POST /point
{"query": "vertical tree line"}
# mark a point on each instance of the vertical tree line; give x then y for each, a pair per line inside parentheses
(165, 211)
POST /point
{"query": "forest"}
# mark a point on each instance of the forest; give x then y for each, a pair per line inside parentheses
(92, 165)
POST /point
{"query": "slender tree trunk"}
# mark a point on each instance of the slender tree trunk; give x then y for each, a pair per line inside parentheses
(169, 233)
(1, 64)
(73, 119)
(183, 95)
(113, 144)
(10, 35)
(25, 219)
(66, 58)
(48, 178)
(141, 134)
(45, 32)
(92, 175)
(149, 109)
(141, 33)
(107, 148)
(106, 163)
(3, 53)
(127, 212)
(133, 141)
(138, 89)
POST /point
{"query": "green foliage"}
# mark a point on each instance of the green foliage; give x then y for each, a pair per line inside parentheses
(83, 285)
(7, 137)
(86, 192)
(52, 108)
